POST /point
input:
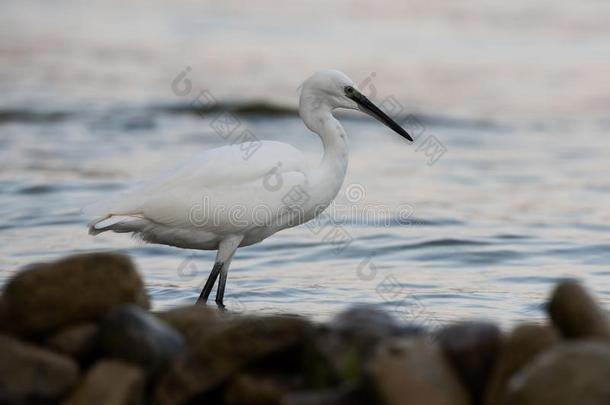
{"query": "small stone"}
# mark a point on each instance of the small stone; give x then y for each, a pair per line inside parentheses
(415, 372)
(570, 373)
(48, 296)
(30, 374)
(576, 314)
(237, 344)
(522, 345)
(472, 349)
(129, 333)
(78, 341)
(194, 322)
(109, 382)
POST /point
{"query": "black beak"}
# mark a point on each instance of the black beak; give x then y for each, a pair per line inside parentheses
(371, 109)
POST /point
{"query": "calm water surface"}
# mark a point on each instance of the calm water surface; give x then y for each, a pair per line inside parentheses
(518, 199)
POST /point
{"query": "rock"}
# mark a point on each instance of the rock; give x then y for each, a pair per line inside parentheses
(346, 394)
(109, 382)
(522, 345)
(47, 296)
(253, 390)
(576, 314)
(238, 344)
(79, 341)
(29, 374)
(350, 338)
(568, 374)
(6, 326)
(415, 372)
(194, 322)
(472, 349)
(129, 333)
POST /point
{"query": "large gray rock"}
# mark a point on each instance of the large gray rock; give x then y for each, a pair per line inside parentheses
(576, 314)
(236, 345)
(109, 382)
(472, 349)
(415, 372)
(29, 374)
(519, 348)
(568, 374)
(48, 296)
(129, 333)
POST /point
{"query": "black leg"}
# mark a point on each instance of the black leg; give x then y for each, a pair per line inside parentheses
(205, 293)
(220, 294)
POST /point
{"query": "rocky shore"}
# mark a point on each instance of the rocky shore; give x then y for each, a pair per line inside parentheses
(80, 331)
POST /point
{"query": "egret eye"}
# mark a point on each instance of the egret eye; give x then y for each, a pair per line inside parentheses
(349, 90)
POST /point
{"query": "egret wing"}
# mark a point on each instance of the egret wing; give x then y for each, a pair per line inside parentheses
(221, 177)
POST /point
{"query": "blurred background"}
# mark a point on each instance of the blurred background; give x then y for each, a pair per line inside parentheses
(505, 190)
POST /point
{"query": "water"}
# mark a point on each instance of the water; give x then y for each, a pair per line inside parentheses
(517, 201)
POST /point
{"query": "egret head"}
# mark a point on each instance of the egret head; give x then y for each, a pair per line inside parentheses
(334, 89)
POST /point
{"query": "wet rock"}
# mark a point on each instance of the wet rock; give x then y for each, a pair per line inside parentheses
(78, 341)
(520, 347)
(568, 374)
(472, 349)
(194, 322)
(109, 382)
(29, 374)
(129, 333)
(350, 338)
(236, 345)
(414, 372)
(576, 314)
(47, 296)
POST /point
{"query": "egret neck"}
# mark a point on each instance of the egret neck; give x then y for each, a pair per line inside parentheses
(317, 116)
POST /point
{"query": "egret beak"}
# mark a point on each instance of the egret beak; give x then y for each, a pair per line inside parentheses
(365, 105)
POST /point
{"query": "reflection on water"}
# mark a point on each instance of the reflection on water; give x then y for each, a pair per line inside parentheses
(516, 200)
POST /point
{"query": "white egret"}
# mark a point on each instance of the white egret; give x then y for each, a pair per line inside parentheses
(221, 200)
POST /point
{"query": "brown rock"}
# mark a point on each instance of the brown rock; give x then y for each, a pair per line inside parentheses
(5, 322)
(78, 341)
(194, 322)
(568, 374)
(576, 314)
(351, 393)
(239, 343)
(109, 382)
(29, 374)
(415, 372)
(253, 390)
(47, 296)
(472, 349)
(522, 345)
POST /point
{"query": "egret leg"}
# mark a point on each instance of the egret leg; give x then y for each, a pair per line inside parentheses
(220, 294)
(226, 250)
(207, 288)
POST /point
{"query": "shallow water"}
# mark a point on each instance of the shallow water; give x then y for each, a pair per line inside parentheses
(517, 200)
